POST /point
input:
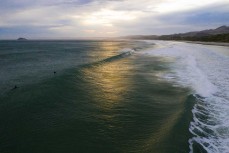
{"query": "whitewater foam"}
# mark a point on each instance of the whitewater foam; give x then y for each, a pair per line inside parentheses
(205, 70)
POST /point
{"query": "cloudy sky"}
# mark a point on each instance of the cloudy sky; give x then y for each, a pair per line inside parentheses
(94, 18)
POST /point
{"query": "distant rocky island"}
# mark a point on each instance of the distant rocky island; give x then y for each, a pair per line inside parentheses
(22, 39)
(220, 34)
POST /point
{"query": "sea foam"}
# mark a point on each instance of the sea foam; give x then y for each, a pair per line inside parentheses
(205, 70)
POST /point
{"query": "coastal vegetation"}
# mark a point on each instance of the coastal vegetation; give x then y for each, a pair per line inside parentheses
(210, 38)
(220, 34)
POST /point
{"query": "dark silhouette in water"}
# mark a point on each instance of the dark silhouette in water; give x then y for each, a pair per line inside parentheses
(54, 72)
(15, 87)
(22, 39)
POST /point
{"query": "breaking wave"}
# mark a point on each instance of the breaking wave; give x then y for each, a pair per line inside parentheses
(205, 70)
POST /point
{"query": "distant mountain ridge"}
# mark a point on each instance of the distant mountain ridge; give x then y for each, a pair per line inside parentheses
(219, 30)
(220, 34)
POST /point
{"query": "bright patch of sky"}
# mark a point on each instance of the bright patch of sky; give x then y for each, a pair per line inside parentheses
(108, 18)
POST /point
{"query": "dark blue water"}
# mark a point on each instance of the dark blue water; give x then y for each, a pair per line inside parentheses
(104, 97)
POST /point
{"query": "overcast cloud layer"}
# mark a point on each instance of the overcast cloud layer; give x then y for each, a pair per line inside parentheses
(92, 18)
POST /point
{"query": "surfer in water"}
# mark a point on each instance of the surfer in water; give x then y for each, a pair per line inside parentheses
(15, 87)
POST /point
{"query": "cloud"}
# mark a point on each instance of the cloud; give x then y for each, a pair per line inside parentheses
(76, 18)
(209, 16)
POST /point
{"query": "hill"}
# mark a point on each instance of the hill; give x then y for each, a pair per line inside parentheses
(22, 39)
(220, 34)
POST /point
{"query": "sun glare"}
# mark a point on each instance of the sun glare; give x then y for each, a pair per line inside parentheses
(107, 17)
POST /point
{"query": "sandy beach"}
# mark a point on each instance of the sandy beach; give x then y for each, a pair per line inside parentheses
(209, 43)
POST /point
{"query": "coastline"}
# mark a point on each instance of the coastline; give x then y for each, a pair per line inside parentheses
(208, 43)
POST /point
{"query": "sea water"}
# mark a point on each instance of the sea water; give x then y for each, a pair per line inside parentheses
(205, 70)
(112, 96)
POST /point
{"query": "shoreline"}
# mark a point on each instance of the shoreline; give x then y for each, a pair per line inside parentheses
(208, 43)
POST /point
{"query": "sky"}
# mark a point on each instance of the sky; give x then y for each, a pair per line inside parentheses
(52, 19)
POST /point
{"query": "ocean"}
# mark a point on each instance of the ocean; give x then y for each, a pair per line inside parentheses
(113, 96)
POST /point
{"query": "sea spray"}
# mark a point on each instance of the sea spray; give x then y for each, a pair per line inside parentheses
(205, 70)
